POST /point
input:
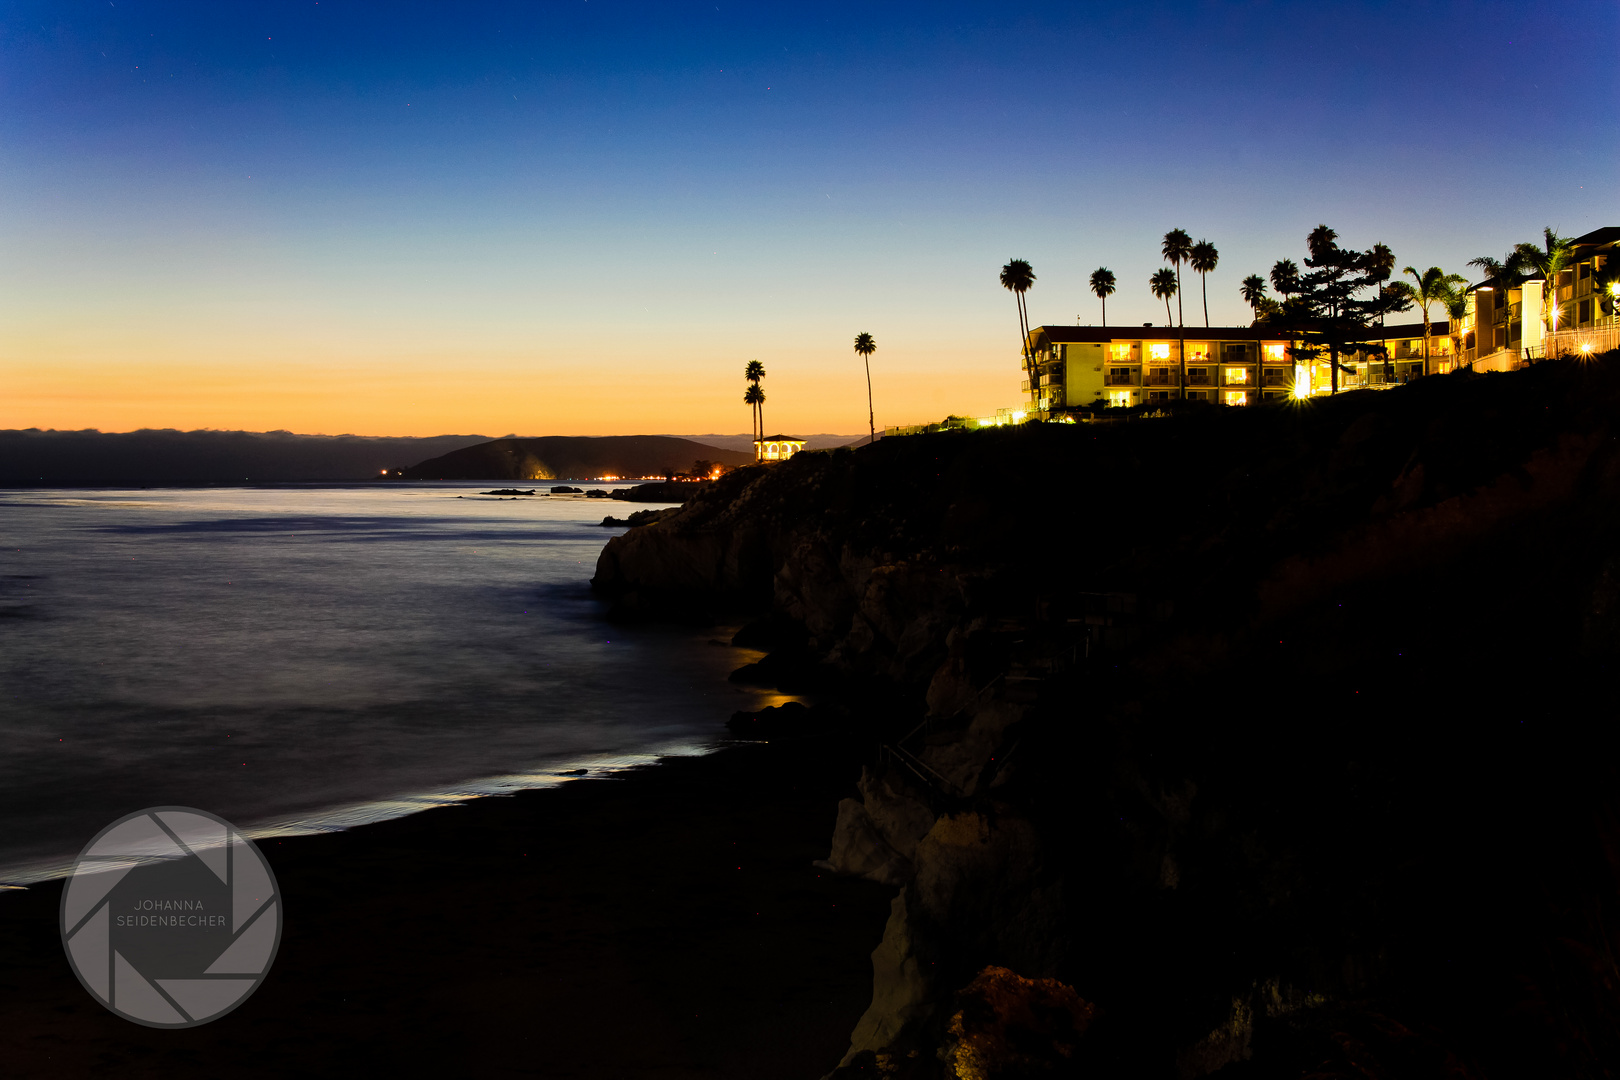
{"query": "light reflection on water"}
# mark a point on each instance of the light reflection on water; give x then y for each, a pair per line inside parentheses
(299, 659)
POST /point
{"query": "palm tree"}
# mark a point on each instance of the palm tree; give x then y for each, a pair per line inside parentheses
(1285, 277)
(1507, 271)
(866, 347)
(1549, 262)
(1380, 267)
(754, 372)
(1425, 289)
(1102, 284)
(1254, 291)
(1177, 249)
(1454, 299)
(1163, 284)
(1017, 276)
(755, 397)
(1204, 258)
(1491, 268)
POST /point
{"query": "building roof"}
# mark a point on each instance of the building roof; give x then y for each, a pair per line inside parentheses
(1437, 328)
(780, 438)
(1609, 234)
(1074, 335)
(1098, 335)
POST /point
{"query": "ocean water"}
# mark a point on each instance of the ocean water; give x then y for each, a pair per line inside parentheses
(309, 658)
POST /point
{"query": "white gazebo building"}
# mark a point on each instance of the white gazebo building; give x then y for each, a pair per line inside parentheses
(777, 447)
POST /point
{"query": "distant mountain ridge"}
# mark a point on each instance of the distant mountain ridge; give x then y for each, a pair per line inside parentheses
(33, 457)
(745, 443)
(573, 457)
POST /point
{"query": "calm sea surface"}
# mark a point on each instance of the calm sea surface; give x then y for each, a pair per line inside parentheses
(310, 658)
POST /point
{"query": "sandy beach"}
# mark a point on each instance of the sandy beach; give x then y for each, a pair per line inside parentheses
(664, 923)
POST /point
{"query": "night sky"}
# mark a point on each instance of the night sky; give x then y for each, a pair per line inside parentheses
(585, 217)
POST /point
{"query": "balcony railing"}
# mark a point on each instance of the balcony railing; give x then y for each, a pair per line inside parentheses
(1160, 377)
(1589, 341)
(1052, 380)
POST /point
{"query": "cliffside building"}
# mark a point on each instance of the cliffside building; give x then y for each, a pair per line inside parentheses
(1508, 324)
(777, 447)
(1229, 365)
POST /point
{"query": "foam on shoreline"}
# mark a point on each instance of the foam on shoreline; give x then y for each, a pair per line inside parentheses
(353, 815)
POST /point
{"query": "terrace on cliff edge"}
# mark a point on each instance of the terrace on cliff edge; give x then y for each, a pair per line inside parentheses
(1267, 742)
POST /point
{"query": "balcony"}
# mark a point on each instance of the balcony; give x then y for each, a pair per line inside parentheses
(1160, 377)
(1052, 380)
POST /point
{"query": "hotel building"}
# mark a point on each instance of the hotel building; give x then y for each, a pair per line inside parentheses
(1505, 327)
(1082, 366)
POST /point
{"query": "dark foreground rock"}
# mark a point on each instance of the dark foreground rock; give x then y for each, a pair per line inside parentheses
(1281, 737)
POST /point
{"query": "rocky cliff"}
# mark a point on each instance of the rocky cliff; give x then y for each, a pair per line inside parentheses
(1281, 736)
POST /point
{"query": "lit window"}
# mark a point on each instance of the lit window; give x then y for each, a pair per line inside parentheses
(1237, 397)
(1274, 351)
(1197, 352)
(1121, 350)
(1237, 374)
(1159, 351)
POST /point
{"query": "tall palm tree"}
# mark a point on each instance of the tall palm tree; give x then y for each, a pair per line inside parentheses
(1254, 291)
(1177, 249)
(865, 346)
(1380, 268)
(754, 372)
(1549, 262)
(1428, 288)
(1203, 258)
(1017, 277)
(1285, 277)
(755, 398)
(1163, 284)
(1102, 284)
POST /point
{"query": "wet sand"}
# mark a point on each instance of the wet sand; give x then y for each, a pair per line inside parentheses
(667, 923)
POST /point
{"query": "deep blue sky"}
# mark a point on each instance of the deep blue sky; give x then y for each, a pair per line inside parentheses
(585, 216)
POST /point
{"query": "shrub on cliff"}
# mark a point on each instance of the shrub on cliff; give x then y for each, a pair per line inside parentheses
(1010, 1027)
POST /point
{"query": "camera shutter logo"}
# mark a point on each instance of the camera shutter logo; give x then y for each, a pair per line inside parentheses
(171, 917)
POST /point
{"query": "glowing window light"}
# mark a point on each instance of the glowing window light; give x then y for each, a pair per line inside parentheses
(1159, 351)
(1237, 375)
(1275, 351)
(1302, 383)
(1237, 397)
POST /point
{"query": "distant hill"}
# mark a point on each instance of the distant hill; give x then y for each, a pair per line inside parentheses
(573, 457)
(146, 458)
(745, 443)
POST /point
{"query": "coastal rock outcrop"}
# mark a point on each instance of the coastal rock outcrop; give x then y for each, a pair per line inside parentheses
(876, 835)
(1177, 710)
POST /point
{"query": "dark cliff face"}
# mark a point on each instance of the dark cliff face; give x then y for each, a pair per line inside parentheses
(1283, 735)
